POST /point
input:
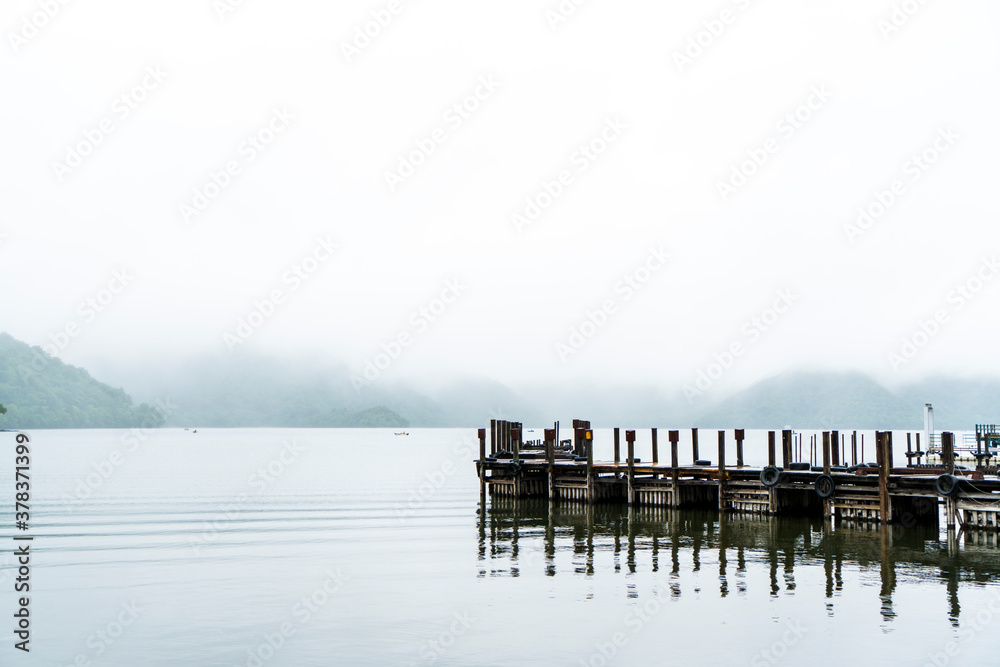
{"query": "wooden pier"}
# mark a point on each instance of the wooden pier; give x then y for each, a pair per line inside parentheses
(866, 492)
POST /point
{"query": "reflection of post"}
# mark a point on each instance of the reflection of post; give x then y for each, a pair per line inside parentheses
(630, 559)
(550, 537)
(590, 538)
(723, 562)
(888, 572)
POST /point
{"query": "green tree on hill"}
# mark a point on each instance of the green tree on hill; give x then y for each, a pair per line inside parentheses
(3, 410)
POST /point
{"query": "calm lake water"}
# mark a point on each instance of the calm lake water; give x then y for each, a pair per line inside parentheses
(352, 547)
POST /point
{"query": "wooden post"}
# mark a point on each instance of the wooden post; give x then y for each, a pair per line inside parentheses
(694, 445)
(854, 448)
(739, 448)
(722, 470)
(883, 477)
(617, 447)
(515, 439)
(656, 448)
(482, 461)
(675, 492)
(786, 448)
(550, 456)
(948, 452)
(863, 448)
(826, 452)
(770, 448)
(948, 458)
(888, 449)
(493, 437)
(630, 444)
(591, 482)
(919, 453)
(834, 449)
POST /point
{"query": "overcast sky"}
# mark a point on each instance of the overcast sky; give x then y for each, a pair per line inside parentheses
(666, 171)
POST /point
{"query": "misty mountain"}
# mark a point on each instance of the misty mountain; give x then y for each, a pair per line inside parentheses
(815, 400)
(40, 391)
(255, 390)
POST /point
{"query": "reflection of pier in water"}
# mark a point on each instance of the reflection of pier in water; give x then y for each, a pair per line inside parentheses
(520, 534)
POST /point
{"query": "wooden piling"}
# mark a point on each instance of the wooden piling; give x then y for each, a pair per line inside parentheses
(694, 445)
(617, 447)
(786, 448)
(630, 444)
(770, 448)
(948, 459)
(493, 437)
(882, 459)
(854, 448)
(739, 448)
(834, 449)
(675, 492)
(656, 449)
(550, 455)
(591, 483)
(722, 470)
(826, 452)
(482, 462)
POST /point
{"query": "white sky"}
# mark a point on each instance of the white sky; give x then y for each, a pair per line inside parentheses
(656, 185)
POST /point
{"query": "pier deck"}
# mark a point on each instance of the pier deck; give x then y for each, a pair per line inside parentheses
(869, 492)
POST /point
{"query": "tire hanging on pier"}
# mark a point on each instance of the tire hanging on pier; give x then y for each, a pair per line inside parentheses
(824, 486)
(770, 476)
(513, 467)
(946, 485)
